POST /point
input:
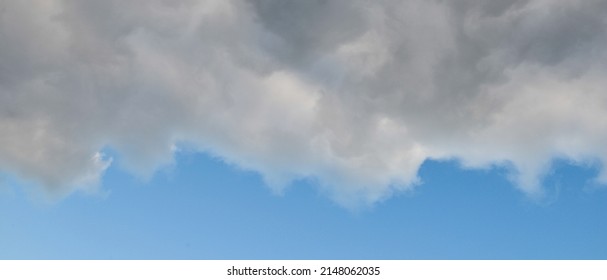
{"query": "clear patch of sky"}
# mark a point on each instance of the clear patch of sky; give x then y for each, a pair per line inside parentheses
(202, 208)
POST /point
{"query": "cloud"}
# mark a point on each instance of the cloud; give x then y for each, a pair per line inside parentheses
(355, 94)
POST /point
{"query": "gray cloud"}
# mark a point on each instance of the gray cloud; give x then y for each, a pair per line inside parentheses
(356, 94)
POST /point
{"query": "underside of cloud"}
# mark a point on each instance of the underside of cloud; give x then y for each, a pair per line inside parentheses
(355, 94)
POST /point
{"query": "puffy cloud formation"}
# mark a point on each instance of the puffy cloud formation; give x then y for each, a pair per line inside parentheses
(356, 94)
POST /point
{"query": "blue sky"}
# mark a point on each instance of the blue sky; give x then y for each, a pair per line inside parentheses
(202, 208)
(303, 129)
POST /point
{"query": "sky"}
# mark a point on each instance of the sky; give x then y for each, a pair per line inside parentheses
(303, 129)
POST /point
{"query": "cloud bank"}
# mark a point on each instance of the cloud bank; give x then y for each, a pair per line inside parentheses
(355, 94)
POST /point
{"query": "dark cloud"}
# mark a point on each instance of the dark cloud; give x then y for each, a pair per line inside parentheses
(354, 93)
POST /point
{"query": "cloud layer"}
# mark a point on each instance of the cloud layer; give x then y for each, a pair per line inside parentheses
(356, 94)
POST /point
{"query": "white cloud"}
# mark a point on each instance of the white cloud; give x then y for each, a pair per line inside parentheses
(356, 94)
